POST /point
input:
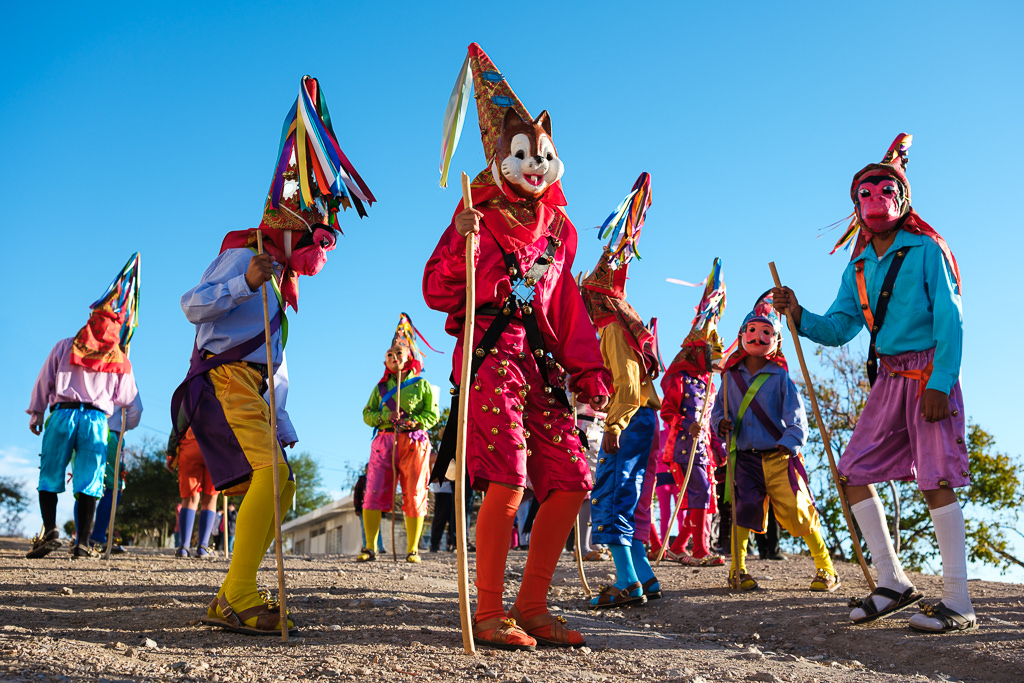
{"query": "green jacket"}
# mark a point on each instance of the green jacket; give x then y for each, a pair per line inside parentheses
(418, 402)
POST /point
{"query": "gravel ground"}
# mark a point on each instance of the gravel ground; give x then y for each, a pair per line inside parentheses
(135, 618)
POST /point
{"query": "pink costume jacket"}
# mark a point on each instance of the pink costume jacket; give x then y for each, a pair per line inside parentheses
(569, 335)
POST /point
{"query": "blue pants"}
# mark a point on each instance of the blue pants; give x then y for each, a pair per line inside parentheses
(75, 436)
(620, 478)
(103, 509)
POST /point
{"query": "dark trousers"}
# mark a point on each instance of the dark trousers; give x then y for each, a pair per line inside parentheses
(768, 542)
(444, 516)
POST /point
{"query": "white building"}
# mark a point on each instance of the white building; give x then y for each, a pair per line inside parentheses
(334, 529)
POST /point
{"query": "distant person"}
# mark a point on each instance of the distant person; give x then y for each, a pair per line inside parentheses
(98, 537)
(83, 381)
(198, 494)
(401, 408)
(768, 427)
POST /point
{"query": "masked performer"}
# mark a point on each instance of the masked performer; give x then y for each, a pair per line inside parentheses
(198, 494)
(628, 458)
(913, 424)
(687, 385)
(223, 393)
(83, 381)
(407, 423)
(98, 537)
(769, 427)
(529, 314)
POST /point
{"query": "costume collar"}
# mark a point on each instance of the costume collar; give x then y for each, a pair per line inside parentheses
(520, 221)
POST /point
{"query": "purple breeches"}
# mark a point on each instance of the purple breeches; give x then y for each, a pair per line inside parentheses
(892, 440)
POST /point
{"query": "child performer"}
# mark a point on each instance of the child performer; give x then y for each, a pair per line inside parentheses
(407, 422)
(687, 385)
(223, 393)
(198, 494)
(769, 427)
(520, 422)
(83, 381)
(98, 537)
(913, 424)
(620, 503)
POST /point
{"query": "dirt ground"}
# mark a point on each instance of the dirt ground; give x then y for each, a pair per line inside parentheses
(135, 618)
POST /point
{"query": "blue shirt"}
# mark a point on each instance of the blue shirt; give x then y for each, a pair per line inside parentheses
(226, 313)
(924, 309)
(781, 401)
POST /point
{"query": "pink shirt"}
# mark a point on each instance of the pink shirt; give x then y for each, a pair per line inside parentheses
(59, 381)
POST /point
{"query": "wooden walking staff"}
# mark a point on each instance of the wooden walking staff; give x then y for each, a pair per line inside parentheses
(689, 468)
(227, 529)
(276, 448)
(577, 533)
(117, 481)
(461, 427)
(394, 462)
(825, 439)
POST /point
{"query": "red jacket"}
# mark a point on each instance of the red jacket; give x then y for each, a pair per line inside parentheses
(521, 228)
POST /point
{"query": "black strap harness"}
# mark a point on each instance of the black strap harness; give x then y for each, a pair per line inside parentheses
(883, 305)
(518, 304)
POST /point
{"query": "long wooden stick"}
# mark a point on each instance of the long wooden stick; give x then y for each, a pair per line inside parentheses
(578, 533)
(730, 475)
(227, 529)
(276, 448)
(117, 485)
(462, 428)
(825, 439)
(689, 468)
(394, 464)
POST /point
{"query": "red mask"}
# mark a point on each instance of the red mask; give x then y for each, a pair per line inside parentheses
(879, 203)
(309, 259)
(757, 338)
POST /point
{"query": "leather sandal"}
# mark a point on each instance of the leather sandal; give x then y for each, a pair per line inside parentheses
(741, 581)
(366, 555)
(949, 620)
(898, 602)
(559, 635)
(610, 596)
(503, 634)
(268, 618)
(652, 594)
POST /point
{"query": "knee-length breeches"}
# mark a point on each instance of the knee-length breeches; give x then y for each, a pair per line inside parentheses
(620, 481)
(413, 472)
(781, 480)
(517, 429)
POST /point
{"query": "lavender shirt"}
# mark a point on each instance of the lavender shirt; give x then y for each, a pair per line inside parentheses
(60, 381)
(226, 313)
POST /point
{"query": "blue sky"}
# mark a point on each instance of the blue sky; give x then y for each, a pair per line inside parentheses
(153, 128)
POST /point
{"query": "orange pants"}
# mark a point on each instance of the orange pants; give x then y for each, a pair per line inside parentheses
(413, 472)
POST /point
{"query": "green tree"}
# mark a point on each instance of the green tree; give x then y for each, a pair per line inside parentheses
(989, 502)
(309, 486)
(13, 504)
(150, 495)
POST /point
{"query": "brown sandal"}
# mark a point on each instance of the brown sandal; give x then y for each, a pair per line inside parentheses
(610, 596)
(504, 634)
(559, 635)
(268, 618)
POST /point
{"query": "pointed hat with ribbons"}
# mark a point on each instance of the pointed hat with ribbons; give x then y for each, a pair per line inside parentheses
(493, 97)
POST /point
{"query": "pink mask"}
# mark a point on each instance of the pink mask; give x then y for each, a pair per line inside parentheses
(310, 259)
(758, 338)
(878, 204)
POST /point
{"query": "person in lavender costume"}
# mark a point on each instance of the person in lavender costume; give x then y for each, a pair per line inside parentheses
(912, 426)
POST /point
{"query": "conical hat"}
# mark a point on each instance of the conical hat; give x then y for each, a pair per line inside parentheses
(493, 96)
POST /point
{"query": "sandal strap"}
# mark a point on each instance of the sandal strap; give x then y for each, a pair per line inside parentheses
(502, 629)
(266, 619)
(868, 603)
(945, 616)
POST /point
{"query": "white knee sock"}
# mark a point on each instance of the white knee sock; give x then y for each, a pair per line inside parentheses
(871, 519)
(950, 533)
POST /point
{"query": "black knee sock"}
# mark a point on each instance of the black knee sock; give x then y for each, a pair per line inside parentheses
(84, 515)
(48, 510)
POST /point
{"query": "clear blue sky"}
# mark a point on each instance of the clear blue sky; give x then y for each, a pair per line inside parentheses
(137, 127)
